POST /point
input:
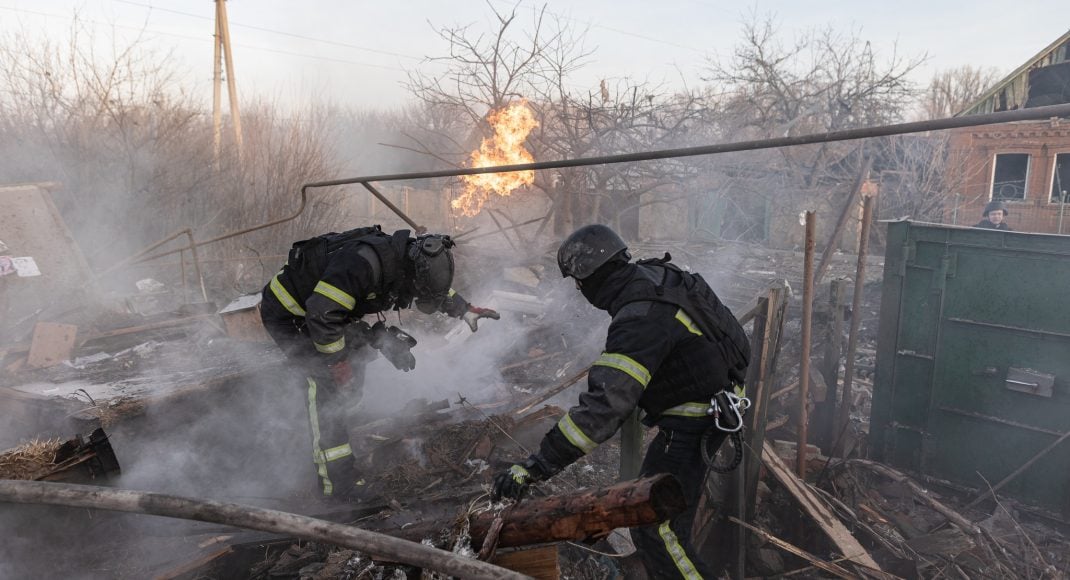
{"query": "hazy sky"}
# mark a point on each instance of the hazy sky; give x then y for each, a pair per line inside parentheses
(357, 52)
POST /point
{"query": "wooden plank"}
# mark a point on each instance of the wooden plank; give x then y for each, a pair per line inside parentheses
(195, 565)
(52, 343)
(542, 563)
(817, 510)
(829, 567)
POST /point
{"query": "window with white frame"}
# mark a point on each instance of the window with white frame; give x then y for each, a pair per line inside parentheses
(1060, 178)
(1010, 176)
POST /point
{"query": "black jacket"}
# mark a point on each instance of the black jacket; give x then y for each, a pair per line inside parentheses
(985, 224)
(359, 278)
(655, 359)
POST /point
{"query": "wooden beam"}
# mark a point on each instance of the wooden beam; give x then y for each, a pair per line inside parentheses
(541, 563)
(576, 517)
(816, 509)
(829, 567)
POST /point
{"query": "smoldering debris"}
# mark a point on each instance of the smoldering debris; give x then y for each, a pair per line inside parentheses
(430, 441)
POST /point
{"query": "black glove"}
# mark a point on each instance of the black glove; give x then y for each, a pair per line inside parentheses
(395, 344)
(513, 482)
(358, 334)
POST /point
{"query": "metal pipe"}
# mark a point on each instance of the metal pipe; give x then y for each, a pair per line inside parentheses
(844, 415)
(804, 365)
(1034, 114)
(415, 226)
(197, 264)
(253, 518)
(501, 230)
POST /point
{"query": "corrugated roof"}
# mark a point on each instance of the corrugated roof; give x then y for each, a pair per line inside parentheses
(1016, 83)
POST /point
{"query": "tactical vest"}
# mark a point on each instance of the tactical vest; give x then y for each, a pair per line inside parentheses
(308, 259)
(689, 291)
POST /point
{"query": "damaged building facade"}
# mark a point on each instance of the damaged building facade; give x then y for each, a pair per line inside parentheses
(1025, 164)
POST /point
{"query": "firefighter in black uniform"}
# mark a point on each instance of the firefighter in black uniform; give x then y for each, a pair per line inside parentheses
(655, 359)
(312, 310)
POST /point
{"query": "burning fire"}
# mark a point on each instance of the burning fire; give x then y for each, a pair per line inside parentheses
(506, 147)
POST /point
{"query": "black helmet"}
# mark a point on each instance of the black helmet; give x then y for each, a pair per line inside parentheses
(587, 249)
(994, 205)
(432, 266)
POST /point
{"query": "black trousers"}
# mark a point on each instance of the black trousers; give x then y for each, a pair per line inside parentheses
(329, 405)
(666, 549)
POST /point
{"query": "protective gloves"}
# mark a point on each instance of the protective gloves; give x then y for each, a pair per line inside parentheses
(395, 344)
(475, 313)
(513, 482)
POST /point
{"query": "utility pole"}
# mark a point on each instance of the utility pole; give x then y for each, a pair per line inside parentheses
(222, 51)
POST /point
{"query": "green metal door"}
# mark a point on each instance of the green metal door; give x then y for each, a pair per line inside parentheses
(974, 356)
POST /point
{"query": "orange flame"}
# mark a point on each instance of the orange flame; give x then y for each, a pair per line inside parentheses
(511, 126)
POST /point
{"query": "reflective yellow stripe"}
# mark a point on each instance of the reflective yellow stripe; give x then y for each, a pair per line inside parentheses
(336, 453)
(575, 435)
(625, 364)
(284, 297)
(686, 321)
(318, 457)
(332, 347)
(679, 557)
(451, 293)
(688, 410)
(332, 292)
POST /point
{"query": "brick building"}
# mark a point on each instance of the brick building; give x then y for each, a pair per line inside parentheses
(1026, 164)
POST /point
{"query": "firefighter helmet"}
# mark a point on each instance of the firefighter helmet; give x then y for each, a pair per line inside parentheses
(432, 266)
(587, 250)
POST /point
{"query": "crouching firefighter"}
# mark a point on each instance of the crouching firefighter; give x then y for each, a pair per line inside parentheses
(674, 351)
(312, 310)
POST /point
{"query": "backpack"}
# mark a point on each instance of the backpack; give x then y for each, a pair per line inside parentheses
(689, 291)
(307, 259)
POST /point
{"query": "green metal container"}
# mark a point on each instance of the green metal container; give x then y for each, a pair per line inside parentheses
(973, 358)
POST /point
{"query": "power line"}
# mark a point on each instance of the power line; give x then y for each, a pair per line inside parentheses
(604, 27)
(273, 31)
(200, 39)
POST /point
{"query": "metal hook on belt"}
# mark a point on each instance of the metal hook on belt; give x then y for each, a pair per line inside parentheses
(737, 405)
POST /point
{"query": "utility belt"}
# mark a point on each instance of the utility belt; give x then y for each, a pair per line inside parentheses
(727, 409)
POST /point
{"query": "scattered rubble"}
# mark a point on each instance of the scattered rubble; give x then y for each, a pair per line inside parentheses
(426, 467)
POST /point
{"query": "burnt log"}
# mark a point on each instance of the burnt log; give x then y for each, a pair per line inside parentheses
(577, 517)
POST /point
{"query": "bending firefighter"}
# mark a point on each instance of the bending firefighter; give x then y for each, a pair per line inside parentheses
(675, 352)
(312, 310)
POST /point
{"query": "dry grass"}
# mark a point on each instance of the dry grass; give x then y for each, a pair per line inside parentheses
(29, 459)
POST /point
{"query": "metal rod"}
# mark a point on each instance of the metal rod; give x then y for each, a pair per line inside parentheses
(501, 229)
(300, 209)
(197, 264)
(999, 420)
(804, 365)
(1034, 114)
(841, 221)
(185, 286)
(844, 415)
(415, 226)
(1018, 471)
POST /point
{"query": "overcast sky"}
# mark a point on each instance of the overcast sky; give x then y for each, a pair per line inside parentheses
(357, 52)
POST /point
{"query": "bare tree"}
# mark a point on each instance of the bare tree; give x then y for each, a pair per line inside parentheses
(133, 149)
(952, 90)
(487, 72)
(823, 80)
